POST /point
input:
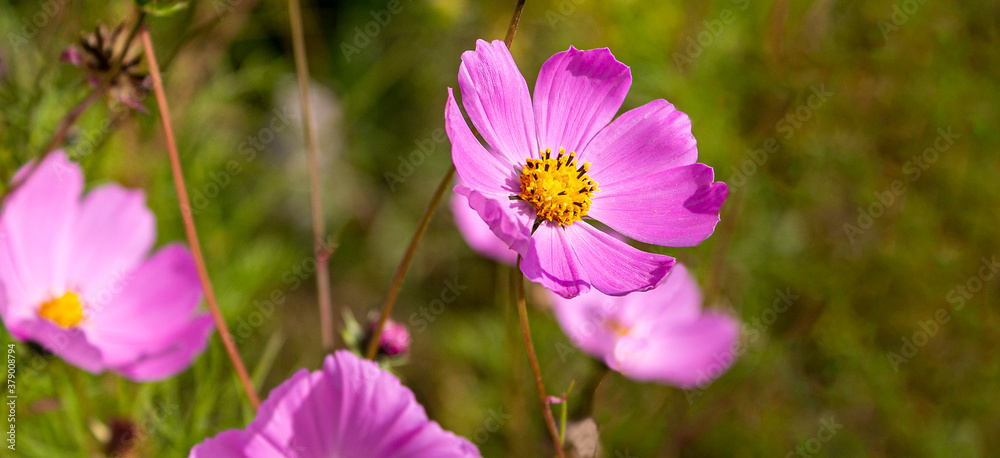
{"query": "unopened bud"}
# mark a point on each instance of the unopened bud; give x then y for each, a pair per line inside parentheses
(395, 339)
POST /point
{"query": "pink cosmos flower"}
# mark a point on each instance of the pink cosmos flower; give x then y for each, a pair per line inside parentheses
(477, 233)
(349, 409)
(661, 335)
(75, 277)
(550, 162)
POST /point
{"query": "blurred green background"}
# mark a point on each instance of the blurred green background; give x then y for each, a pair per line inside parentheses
(842, 208)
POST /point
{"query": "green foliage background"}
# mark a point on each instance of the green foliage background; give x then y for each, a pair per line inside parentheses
(228, 67)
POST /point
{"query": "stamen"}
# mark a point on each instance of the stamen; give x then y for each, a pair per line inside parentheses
(617, 328)
(557, 193)
(66, 311)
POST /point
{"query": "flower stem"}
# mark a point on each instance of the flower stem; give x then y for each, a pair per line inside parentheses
(562, 416)
(522, 311)
(189, 227)
(514, 20)
(322, 253)
(404, 264)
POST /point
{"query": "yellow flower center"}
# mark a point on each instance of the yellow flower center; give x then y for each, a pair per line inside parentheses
(66, 311)
(559, 190)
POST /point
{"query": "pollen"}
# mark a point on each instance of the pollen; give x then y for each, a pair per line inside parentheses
(617, 328)
(66, 311)
(558, 189)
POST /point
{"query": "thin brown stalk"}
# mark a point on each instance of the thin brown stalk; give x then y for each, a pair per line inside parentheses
(315, 188)
(522, 312)
(189, 227)
(62, 129)
(514, 20)
(404, 264)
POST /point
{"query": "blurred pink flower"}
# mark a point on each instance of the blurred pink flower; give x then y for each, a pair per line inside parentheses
(349, 409)
(75, 277)
(661, 335)
(477, 233)
(532, 186)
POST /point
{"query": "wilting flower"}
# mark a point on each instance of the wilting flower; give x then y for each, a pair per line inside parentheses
(660, 335)
(552, 162)
(349, 409)
(103, 54)
(75, 277)
(477, 234)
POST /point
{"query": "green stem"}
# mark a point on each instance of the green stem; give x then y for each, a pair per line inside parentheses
(404, 264)
(522, 312)
(565, 407)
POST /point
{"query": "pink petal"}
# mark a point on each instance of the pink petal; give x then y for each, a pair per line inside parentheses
(301, 418)
(36, 221)
(577, 95)
(228, 444)
(585, 320)
(642, 141)
(685, 354)
(551, 260)
(383, 418)
(496, 98)
(477, 233)
(276, 416)
(351, 408)
(69, 344)
(510, 220)
(15, 301)
(378, 417)
(112, 233)
(675, 207)
(150, 309)
(677, 299)
(614, 267)
(485, 171)
(271, 431)
(659, 335)
(188, 343)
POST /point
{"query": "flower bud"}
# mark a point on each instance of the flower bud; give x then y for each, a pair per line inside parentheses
(395, 339)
